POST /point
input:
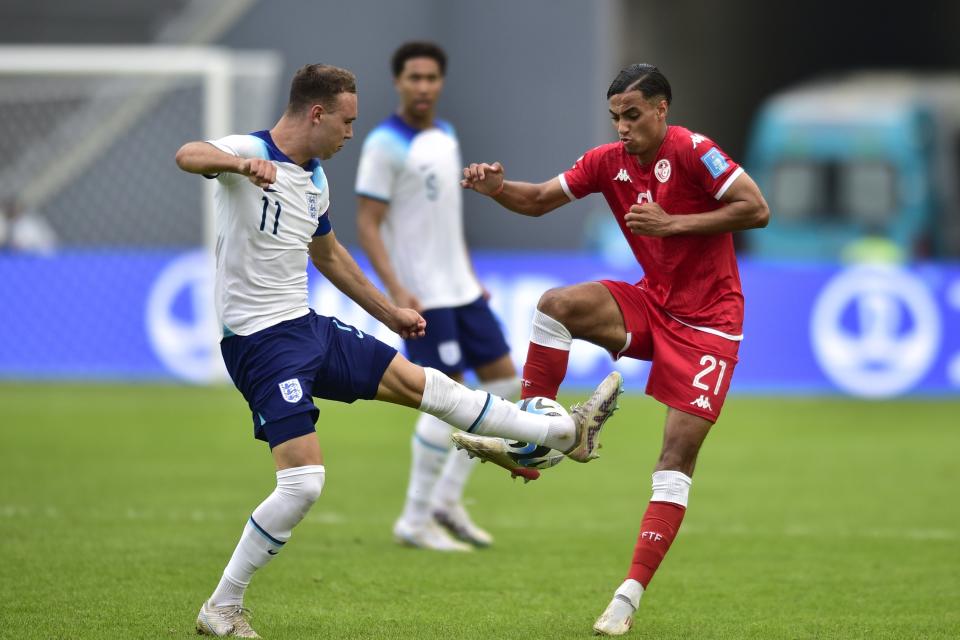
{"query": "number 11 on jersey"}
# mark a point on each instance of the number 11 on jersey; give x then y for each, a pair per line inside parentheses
(276, 216)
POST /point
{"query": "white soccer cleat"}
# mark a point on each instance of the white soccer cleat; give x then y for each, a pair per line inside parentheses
(224, 622)
(617, 618)
(429, 536)
(589, 417)
(457, 522)
(495, 450)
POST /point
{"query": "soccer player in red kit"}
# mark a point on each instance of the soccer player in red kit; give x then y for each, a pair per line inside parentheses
(677, 197)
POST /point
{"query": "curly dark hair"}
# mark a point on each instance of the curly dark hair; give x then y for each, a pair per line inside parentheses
(418, 49)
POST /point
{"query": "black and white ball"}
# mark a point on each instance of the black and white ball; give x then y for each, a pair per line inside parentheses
(528, 454)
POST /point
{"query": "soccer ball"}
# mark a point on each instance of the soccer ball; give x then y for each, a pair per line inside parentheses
(537, 456)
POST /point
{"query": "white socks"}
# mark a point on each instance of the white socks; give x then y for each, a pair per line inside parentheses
(268, 529)
(671, 486)
(484, 414)
(548, 332)
(448, 490)
(438, 472)
(430, 448)
(630, 591)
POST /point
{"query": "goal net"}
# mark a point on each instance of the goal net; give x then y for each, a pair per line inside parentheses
(89, 134)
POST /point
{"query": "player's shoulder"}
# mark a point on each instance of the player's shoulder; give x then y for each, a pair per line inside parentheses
(317, 176)
(392, 130)
(446, 127)
(610, 149)
(687, 142)
(609, 152)
(391, 137)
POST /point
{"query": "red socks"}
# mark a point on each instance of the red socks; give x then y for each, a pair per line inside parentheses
(657, 531)
(543, 371)
(547, 357)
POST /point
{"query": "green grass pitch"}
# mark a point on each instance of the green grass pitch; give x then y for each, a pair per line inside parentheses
(809, 518)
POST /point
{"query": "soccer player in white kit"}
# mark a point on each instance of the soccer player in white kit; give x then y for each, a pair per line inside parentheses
(272, 198)
(410, 223)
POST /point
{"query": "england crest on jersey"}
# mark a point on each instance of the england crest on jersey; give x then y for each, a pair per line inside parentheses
(291, 391)
(312, 204)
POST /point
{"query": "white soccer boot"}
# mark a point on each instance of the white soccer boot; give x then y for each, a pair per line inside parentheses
(457, 522)
(495, 450)
(617, 618)
(429, 536)
(589, 418)
(224, 622)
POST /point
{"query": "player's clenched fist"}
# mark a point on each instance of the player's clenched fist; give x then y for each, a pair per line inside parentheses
(483, 178)
(260, 172)
(407, 323)
(649, 219)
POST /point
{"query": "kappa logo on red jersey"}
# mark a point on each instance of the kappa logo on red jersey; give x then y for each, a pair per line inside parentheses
(623, 176)
(696, 138)
(703, 402)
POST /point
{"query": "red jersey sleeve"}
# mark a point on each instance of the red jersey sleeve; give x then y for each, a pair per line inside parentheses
(709, 167)
(581, 179)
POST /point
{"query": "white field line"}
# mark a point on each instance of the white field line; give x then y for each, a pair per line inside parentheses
(40, 512)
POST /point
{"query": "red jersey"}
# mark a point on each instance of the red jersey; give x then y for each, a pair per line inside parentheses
(693, 278)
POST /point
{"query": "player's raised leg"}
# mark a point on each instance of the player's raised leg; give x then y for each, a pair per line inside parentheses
(683, 436)
(300, 478)
(482, 413)
(585, 311)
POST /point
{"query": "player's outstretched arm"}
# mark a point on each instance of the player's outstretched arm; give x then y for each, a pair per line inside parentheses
(525, 198)
(205, 159)
(338, 266)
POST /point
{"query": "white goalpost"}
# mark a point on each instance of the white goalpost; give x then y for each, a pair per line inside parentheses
(109, 90)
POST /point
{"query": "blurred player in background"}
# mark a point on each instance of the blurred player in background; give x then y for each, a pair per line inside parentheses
(410, 223)
(272, 198)
(677, 197)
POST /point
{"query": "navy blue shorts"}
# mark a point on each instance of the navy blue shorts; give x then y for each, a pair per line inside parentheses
(280, 369)
(459, 338)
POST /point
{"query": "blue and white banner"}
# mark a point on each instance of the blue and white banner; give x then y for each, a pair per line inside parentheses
(869, 331)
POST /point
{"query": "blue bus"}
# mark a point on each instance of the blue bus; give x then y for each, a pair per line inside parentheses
(864, 164)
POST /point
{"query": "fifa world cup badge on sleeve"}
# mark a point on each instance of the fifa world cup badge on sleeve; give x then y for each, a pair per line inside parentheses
(291, 391)
(715, 162)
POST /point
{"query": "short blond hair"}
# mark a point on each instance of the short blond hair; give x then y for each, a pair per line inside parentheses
(319, 84)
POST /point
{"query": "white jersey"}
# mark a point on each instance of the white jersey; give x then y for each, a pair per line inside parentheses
(262, 237)
(418, 174)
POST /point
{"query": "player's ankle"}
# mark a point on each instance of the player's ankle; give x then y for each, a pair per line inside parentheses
(561, 434)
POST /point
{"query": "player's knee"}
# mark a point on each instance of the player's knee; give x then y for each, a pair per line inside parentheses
(311, 487)
(303, 485)
(556, 303)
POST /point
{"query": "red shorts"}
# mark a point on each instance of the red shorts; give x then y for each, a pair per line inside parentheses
(691, 369)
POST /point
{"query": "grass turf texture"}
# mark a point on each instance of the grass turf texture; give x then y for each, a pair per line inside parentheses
(809, 518)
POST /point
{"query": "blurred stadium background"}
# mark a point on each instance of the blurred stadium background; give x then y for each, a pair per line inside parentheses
(848, 118)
